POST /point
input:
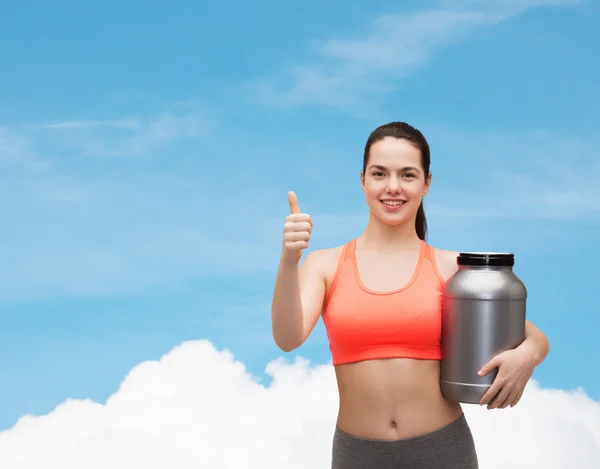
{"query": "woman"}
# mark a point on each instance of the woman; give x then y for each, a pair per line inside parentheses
(379, 296)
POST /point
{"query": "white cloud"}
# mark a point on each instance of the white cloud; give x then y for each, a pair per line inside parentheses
(198, 407)
(17, 151)
(503, 8)
(130, 123)
(131, 136)
(346, 72)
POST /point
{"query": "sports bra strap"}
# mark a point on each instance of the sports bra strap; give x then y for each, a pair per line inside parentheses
(346, 254)
(429, 254)
(349, 250)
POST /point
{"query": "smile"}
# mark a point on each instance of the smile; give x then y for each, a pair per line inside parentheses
(393, 203)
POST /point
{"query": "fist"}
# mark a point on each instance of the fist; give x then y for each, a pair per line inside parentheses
(296, 230)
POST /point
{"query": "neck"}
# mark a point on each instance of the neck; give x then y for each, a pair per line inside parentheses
(383, 237)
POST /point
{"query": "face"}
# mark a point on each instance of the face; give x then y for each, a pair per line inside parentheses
(394, 182)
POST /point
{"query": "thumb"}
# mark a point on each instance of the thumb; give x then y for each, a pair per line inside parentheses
(293, 201)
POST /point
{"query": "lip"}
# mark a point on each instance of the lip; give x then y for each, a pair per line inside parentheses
(393, 208)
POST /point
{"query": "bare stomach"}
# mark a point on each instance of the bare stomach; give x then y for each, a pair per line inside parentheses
(392, 399)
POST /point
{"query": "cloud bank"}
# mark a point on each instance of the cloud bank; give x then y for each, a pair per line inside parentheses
(199, 407)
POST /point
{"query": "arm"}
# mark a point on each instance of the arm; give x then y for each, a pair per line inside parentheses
(297, 300)
(536, 344)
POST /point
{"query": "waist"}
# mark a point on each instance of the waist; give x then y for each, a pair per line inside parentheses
(392, 398)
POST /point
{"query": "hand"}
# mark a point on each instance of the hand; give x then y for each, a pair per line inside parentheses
(296, 231)
(515, 367)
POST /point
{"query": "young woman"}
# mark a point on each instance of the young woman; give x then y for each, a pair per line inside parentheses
(380, 299)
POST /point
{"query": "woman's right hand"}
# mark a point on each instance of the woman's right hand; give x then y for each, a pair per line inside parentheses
(296, 231)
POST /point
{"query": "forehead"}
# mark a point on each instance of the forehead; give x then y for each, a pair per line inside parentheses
(393, 152)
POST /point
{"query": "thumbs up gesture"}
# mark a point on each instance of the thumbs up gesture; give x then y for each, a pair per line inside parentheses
(296, 231)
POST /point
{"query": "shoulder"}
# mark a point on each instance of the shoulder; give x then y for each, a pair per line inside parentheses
(445, 260)
(324, 260)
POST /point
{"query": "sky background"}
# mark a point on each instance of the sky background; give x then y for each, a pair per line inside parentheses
(146, 150)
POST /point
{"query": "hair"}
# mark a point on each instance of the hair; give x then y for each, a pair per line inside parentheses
(402, 130)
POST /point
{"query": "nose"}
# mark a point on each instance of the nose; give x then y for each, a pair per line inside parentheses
(393, 186)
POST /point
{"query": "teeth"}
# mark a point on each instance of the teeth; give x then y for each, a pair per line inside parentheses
(395, 202)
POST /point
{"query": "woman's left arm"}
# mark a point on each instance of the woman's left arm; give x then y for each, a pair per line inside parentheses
(536, 343)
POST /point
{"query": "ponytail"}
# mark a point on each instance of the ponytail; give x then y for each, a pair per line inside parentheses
(421, 223)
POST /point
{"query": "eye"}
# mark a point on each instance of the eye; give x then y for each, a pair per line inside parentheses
(409, 175)
(377, 173)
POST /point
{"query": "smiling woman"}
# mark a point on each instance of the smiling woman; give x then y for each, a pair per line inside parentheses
(380, 299)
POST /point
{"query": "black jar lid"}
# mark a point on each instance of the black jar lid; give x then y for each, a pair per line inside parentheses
(498, 259)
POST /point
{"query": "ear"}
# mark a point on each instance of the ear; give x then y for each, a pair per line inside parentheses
(362, 180)
(427, 184)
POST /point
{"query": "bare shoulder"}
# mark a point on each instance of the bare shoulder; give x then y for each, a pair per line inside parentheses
(324, 261)
(446, 262)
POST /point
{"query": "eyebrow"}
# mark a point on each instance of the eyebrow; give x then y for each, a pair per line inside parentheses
(383, 168)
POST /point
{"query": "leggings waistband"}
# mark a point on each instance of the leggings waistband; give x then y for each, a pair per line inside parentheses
(438, 433)
(448, 447)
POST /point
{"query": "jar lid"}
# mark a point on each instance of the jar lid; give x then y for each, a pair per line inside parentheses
(499, 259)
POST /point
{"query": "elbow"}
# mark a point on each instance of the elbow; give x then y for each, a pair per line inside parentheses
(286, 344)
(287, 348)
(545, 348)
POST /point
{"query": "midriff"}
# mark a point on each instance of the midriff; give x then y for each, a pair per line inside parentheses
(390, 399)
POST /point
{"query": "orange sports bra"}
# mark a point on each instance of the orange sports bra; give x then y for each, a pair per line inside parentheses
(362, 324)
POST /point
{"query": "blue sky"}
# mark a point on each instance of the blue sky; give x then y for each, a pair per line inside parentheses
(146, 149)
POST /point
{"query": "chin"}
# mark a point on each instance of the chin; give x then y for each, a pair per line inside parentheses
(393, 218)
(393, 221)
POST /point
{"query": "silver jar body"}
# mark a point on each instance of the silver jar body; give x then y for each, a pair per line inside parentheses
(483, 314)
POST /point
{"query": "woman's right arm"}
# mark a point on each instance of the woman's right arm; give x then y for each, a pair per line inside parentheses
(299, 289)
(297, 300)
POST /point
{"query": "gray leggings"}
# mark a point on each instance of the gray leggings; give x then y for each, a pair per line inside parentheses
(450, 447)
